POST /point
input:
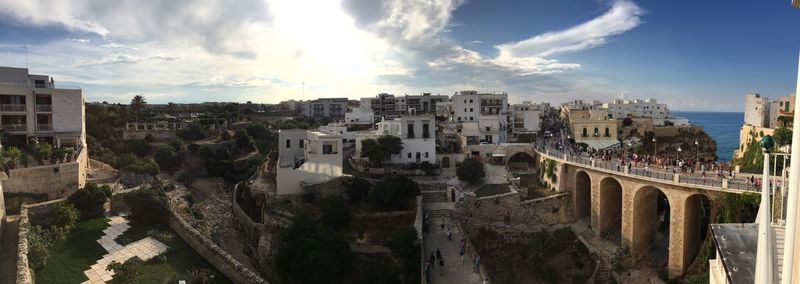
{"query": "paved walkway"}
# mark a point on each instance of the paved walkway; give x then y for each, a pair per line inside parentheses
(145, 249)
(8, 249)
(454, 270)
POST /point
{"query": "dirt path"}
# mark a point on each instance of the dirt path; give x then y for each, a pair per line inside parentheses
(8, 251)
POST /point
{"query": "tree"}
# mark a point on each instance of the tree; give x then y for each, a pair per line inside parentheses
(335, 214)
(13, 153)
(381, 149)
(144, 167)
(42, 151)
(125, 273)
(391, 193)
(137, 104)
(357, 189)
(471, 171)
(65, 215)
(60, 154)
(166, 157)
(312, 254)
(148, 204)
(125, 160)
(782, 136)
(90, 199)
(785, 121)
(176, 144)
(257, 131)
(243, 140)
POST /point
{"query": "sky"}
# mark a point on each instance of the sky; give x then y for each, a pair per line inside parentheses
(693, 55)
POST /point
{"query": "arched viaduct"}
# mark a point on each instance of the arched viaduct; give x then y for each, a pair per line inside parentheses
(626, 208)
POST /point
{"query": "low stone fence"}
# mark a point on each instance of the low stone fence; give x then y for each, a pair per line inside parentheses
(334, 187)
(509, 208)
(251, 229)
(23, 271)
(215, 255)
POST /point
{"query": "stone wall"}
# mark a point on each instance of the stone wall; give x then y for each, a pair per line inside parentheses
(215, 255)
(251, 229)
(40, 212)
(509, 208)
(23, 272)
(130, 179)
(56, 181)
(334, 187)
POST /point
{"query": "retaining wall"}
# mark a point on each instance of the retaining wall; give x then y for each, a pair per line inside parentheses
(510, 209)
(23, 272)
(55, 180)
(251, 229)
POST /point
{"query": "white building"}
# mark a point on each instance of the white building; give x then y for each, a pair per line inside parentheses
(620, 109)
(360, 116)
(526, 117)
(417, 132)
(425, 103)
(489, 110)
(305, 158)
(756, 110)
(33, 106)
(383, 106)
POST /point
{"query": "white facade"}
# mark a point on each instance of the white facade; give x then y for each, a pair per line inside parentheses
(526, 117)
(330, 108)
(360, 116)
(425, 103)
(305, 158)
(489, 110)
(418, 134)
(32, 106)
(756, 110)
(619, 109)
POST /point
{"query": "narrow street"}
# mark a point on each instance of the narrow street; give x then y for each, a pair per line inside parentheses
(454, 270)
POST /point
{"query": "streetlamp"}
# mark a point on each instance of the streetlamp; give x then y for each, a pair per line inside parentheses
(655, 147)
(679, 152)
(696, 151)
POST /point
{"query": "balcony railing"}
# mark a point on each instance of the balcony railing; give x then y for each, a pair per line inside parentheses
(15, 127)
(37, 86)
(44, 127)
(12, 107)
(44, 108)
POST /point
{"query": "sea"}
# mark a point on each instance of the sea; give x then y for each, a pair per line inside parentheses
(722, 126)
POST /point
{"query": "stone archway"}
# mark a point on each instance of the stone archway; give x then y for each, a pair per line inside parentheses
(521, 162)
(610, 209)
(583, 195)
(445, 162)
(650, 224)
(696, 212)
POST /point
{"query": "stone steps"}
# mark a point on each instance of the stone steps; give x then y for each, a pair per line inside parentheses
(434, 196)
(439, 213)
(603, 273)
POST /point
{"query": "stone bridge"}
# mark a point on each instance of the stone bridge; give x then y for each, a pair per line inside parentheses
(625, 208)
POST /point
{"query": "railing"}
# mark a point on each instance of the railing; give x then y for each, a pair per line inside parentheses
(44, 108)
(12, 107)
(44, 127)
(711, 180)
(15, 127)
(37, 86)
(778, 185)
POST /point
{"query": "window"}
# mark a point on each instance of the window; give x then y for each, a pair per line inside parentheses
(608, 133)
(470, 101)
(459, 118)
(471, 118)
(409, 155)
(329, 148)
(425, 131)
(288, 143)
(488, 128)
(300, 143)
(470, 109)
(410, 133)
(584, 134)
(596, 132)
(465, 109)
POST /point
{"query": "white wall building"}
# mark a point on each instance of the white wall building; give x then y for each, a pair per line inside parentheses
(488, 109)
(33, 106)
(305, 158)
(418, 134)
(756, 110)
(526, 117)
(330, 108)
(360, 116)
(620, 109)
(422, 104)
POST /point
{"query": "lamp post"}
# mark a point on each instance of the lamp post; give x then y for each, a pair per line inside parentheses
(679, 152)
(655, 147)
(696, 151)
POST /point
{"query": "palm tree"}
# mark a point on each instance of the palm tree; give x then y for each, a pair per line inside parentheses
(137, 104)
(13, 154)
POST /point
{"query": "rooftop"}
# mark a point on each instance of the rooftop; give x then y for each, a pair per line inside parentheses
(736, 244)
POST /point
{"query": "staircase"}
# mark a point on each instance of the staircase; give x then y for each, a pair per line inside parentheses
(437, 196)
(603, 273)
(778, 238)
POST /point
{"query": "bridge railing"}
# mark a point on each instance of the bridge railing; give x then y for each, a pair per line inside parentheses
(711, 180)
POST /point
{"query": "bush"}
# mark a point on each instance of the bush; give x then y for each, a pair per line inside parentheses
(65, 215)
(357, 189)
(402, 243)
(193, 132)
(471, 170)
(144, 166)
(166, 157)
(335, 214)
(90, 199)
(147, 205)
(243, 140)
(39, 243)
(312, 254)
(193, 147)
(392, 192)
(125, 160)
(139, 147)
(125, 273)
(176, 144)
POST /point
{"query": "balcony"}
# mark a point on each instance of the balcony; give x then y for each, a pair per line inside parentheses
(44, 127)
(12, 107)
(15, 127)
(44, 108)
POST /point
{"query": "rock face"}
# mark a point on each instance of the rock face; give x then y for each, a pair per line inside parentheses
(670, 139)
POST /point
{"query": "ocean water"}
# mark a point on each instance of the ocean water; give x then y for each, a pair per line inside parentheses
(722, 126)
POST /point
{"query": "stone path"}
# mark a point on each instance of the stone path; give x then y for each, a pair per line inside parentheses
(145, 249)
(454, 270)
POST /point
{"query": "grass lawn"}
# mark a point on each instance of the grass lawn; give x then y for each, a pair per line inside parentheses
(70, 257)
(492, 189)
(180, 258)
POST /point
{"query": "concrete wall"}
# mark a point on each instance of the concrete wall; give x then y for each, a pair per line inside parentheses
(68, 111)
(56, 181)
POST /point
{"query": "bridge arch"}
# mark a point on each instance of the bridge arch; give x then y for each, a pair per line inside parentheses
(521, 162)
(610, 208)
(696, 214)
(650, 224)
(445, 162)
(582, 195)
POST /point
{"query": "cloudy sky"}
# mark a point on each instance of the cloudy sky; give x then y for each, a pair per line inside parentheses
(695, 55)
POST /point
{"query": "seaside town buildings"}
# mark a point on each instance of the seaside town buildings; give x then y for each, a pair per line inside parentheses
(307, 157)
(332, 109)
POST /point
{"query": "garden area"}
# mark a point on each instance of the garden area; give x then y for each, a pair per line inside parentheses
(532, 187)
(72, 240)
(492, 189)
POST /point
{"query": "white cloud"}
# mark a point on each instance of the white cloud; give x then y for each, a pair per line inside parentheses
(623, 16)
(476, 42)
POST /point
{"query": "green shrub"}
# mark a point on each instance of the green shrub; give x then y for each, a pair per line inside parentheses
(391, 193)
(357, 189)
(166, 157)
(90, 199)
(147, 205)
(125, 273)
(471, 170)
(144, 166)
(65, 215)
(335, 214)
(309, 253)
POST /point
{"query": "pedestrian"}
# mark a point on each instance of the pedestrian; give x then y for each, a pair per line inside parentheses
(462, 251)
(432, 259)
(449, 235)
(438, 254)
(477, 263)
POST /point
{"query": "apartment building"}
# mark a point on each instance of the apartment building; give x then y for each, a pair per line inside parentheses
(482, 115)
(383, 106)
(425, 103)
(33, 106)
(526, 117)
(620, 109)
(756, 110)
(306, 158)
(361, 116)
(782, 107)
(326, 108)
(594, 128)
(417, 132)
